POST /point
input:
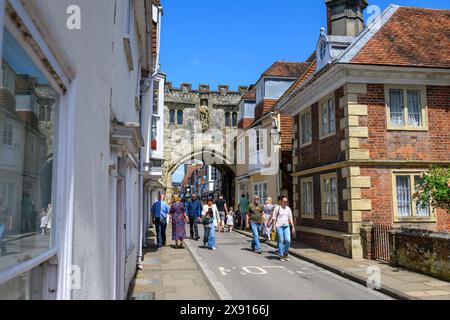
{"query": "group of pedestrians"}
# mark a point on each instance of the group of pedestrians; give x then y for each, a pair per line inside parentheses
(212, 215)
(275, 221)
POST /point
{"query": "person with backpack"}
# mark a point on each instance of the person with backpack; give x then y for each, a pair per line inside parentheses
(194, 212)
(255, 220)
(284, 223)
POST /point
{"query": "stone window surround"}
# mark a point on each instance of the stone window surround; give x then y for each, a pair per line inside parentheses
(423, 106)
(322, 196)
(324, 100)
(413, 218)
(307, 215)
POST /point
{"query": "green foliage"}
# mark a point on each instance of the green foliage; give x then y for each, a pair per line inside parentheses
(434, 188)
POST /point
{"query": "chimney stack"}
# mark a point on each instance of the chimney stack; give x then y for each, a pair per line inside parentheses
(345, 17)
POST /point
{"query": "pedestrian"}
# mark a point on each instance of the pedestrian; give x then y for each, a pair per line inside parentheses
(274, 231)
(178, 219)
(255, 220)
(160, 210)
(5, 221)
(268, 211)
(211, 221)
(221, 205)
(243, 208)
(284, 224)
(230, 220)
(194, 211)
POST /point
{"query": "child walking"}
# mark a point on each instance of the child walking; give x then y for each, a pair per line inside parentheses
(230, 220)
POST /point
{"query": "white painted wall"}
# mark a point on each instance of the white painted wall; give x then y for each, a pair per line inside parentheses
(99, 71)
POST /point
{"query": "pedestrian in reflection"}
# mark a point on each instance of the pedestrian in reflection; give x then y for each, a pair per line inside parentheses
(211, 220)
(178, 219)
(27, 214)
(230, 220)
(284, 224)
(160, 211)
(5, 221)
(221, 205)
(254, 221)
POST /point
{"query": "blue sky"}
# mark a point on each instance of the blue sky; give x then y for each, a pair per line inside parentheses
(234, 41)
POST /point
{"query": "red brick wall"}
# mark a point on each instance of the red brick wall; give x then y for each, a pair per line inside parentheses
(321, 152)
(324, 243)
(245, 123)
(286, 133)
(317, 222)
(433, 145)
(382, 203)
(263, 107)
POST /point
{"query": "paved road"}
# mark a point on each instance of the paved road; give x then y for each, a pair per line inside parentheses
(249, 276)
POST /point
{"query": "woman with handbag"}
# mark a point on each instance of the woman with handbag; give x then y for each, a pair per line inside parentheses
(178, 219)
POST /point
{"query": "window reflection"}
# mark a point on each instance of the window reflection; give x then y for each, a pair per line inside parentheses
(27, 121)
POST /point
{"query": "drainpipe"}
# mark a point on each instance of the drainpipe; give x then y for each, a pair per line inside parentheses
(275, 118)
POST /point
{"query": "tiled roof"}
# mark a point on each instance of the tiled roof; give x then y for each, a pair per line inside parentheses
(286, 69)
(411, 37)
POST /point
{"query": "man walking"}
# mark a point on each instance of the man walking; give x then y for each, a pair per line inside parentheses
(160, 210)
(255, 220)
(194, 211)
(243, 208)
(4, 222)
(221, 205)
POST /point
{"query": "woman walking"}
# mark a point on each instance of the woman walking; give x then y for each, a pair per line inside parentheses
(284, 224)
(211, 221)
(268, 211)
(178, 218)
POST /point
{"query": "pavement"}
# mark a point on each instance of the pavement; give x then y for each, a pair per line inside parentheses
(170, 274)
(396, 282)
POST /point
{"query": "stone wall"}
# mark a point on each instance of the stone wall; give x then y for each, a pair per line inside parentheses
(422, 251)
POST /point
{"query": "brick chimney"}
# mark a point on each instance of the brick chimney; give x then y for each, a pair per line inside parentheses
(345, 17)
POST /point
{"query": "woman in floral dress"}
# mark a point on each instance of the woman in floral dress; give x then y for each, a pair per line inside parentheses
(178, 219)
(268, 211)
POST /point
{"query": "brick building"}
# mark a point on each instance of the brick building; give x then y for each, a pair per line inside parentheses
(370, 115)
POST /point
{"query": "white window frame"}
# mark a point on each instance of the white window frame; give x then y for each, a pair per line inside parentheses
(323, 179)
(10, 133)
(423, 107)
(307, 181)
(326, 102)
(64, 137)
(304, 115)
(258, 188)
(413, 217)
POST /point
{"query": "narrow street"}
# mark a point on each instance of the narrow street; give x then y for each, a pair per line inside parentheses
(250, 276)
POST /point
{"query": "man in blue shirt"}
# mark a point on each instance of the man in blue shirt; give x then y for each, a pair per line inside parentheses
(160, 210)
(194, 211)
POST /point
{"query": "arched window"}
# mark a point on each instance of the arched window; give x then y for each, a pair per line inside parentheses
(172, 117)
(235, 119)
(180, 117)
(227, 119)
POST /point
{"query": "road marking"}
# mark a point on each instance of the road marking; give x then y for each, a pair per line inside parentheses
(261, 270)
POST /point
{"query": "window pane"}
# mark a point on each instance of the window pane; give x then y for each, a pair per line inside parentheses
(414, 110)
(172, 117)
(26, 158)
(309, 127)
(422, 209)
(227, 119)
(235, 119)
(403, 196)
(180, 118)
(333, 197)
(324, 119)
(331, 115)
(156, 97)
(396, 106)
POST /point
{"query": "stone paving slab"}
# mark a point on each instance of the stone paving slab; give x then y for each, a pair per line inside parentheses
(170, 274)
(397, 282)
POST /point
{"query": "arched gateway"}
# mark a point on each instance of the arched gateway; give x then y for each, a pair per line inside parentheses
(200, 125)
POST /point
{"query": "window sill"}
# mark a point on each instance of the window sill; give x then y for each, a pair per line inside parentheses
(328, 135)
(405, 128)
(330, 218)
(415, 220)
(306, 144)
(306, 216)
